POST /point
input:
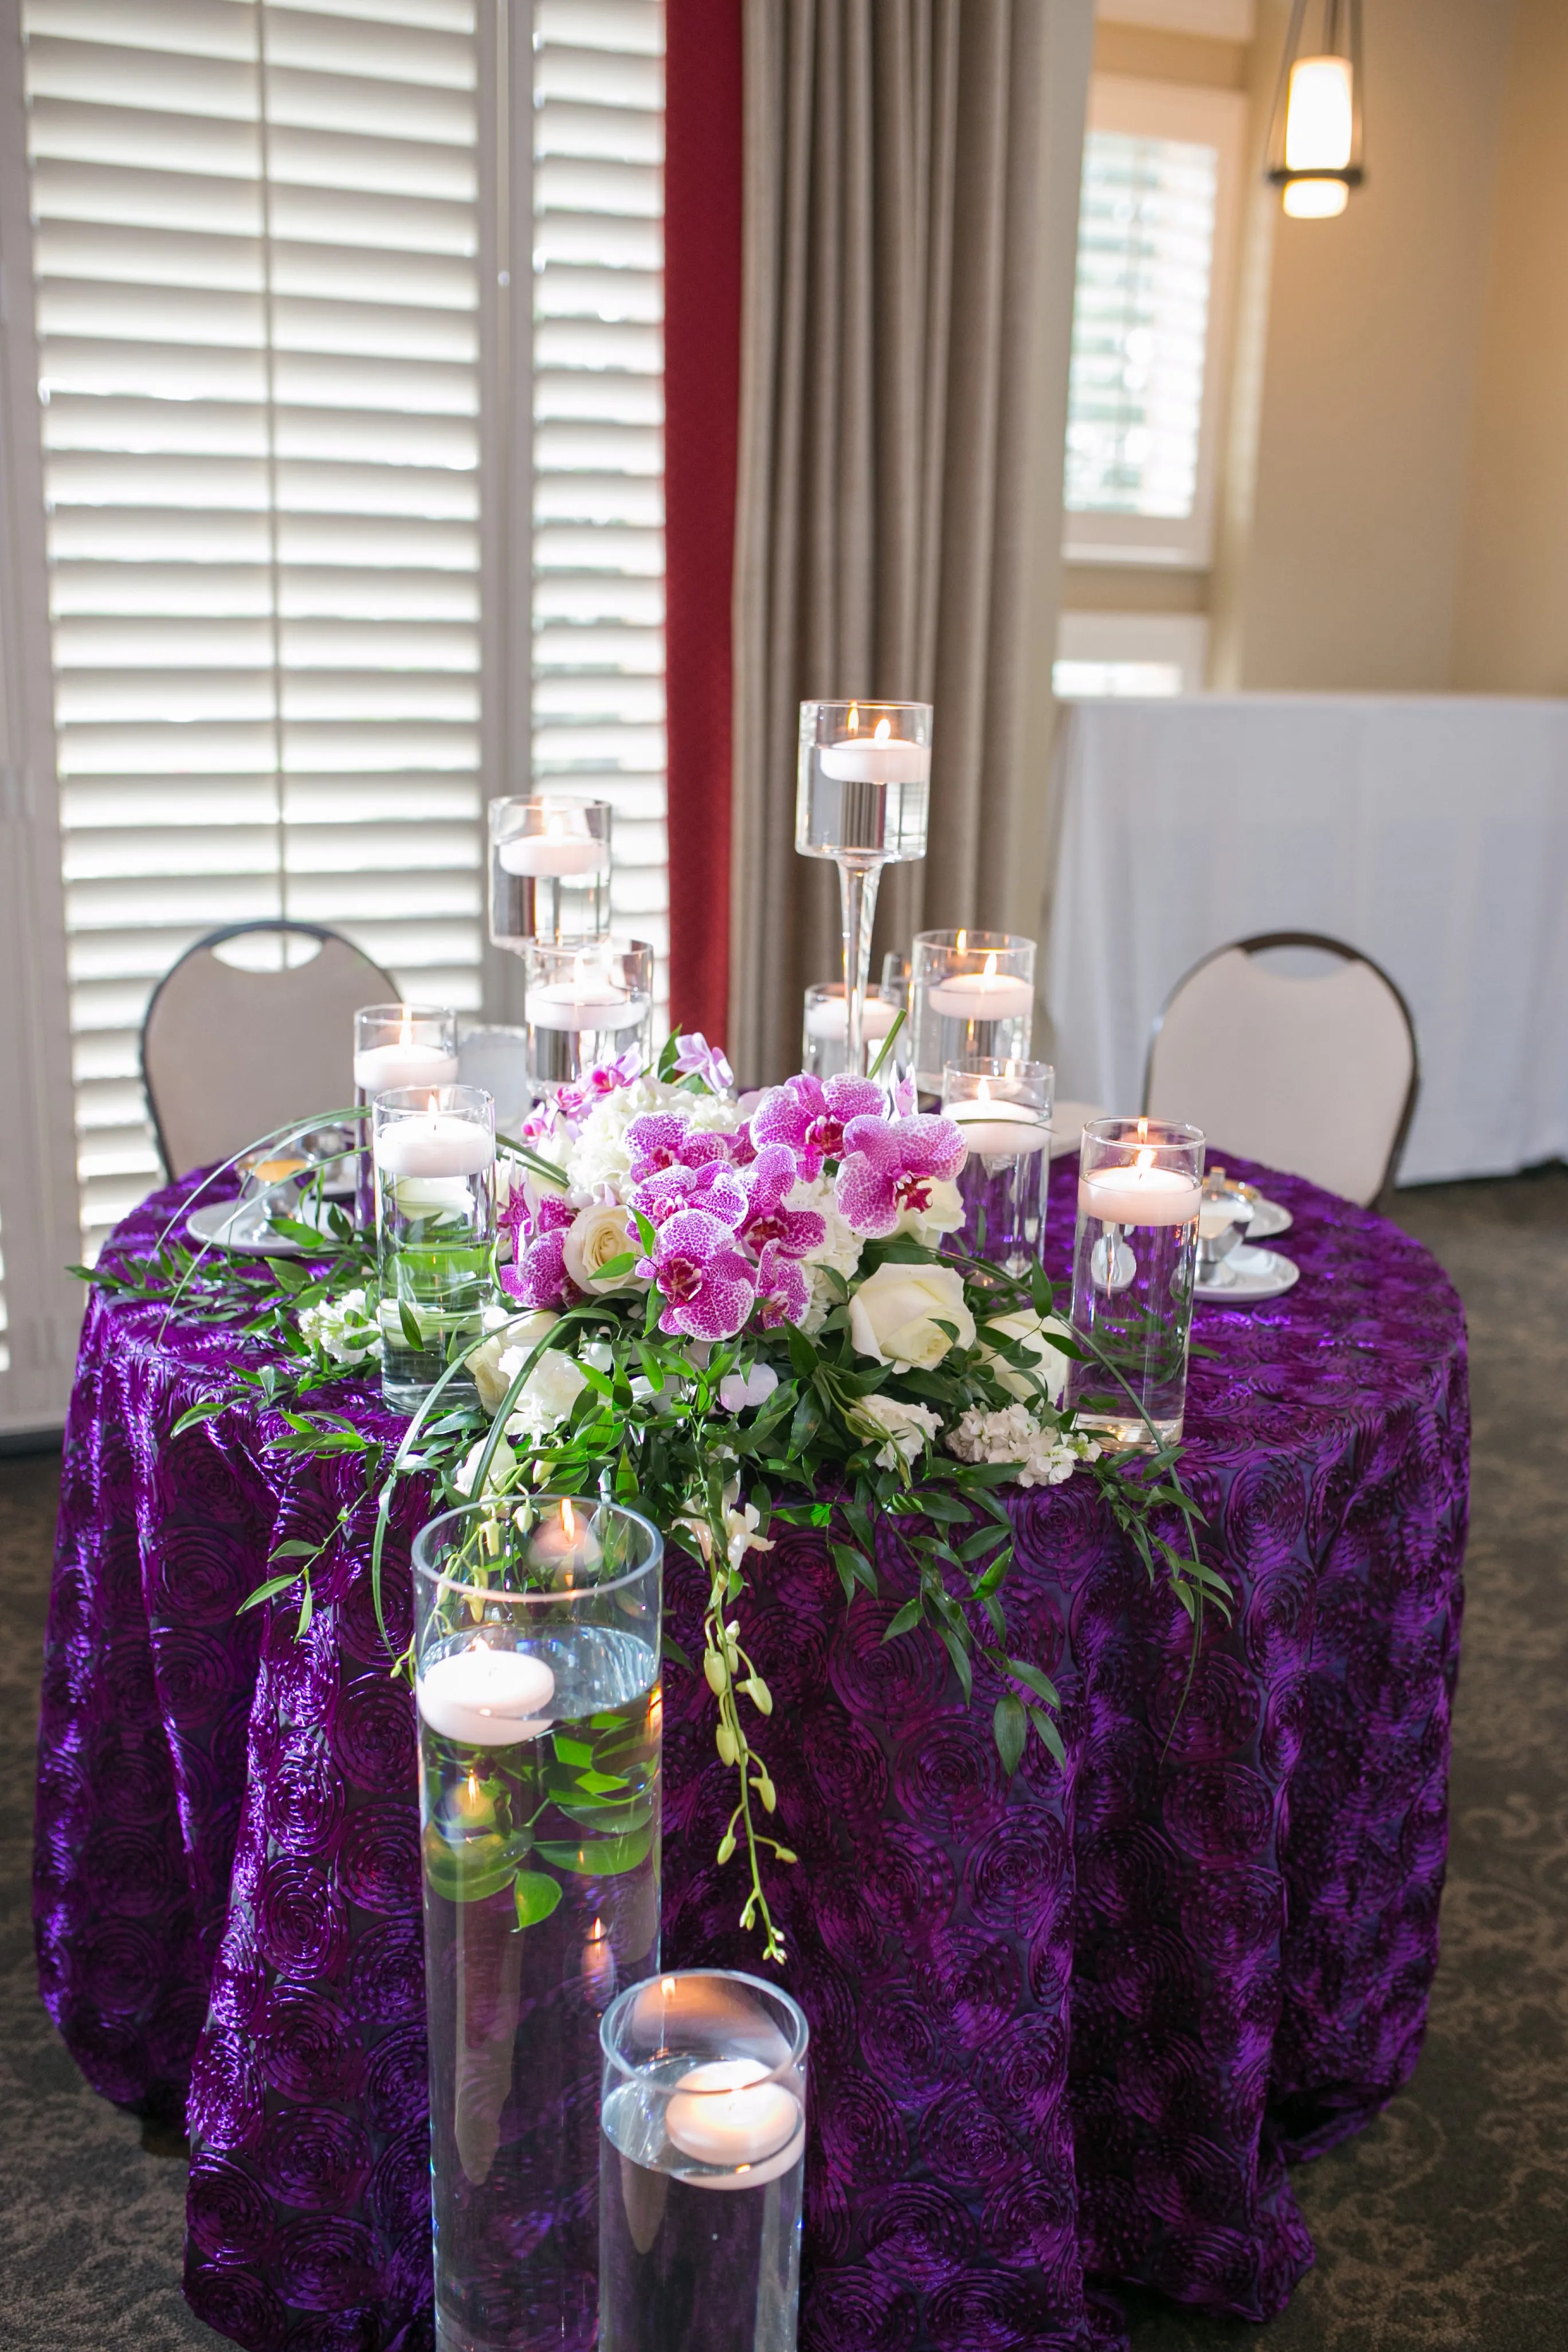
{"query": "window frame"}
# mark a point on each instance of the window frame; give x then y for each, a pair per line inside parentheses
(1182, 638)
(1211, 118)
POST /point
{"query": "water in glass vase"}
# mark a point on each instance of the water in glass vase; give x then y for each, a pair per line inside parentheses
(541, 1899)
(1132, 1299)
(435, 1283)
(697, 2256)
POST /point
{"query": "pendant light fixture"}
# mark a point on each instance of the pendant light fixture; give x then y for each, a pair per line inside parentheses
(1314, 136)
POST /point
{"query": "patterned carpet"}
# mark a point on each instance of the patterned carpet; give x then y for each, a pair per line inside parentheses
(1442, 2229)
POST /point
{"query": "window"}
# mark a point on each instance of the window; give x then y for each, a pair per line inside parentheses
(281, 535)
(1129, 653)
(1156, 239)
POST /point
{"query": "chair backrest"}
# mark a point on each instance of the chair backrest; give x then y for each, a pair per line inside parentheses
(1316, 1073)
(230, 1053)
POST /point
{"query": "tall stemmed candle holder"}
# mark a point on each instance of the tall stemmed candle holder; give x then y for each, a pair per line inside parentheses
(537, 1660)
(435, 1153)
(1138, 1194)
(702, 2158)
(550, 869)
(972, 998)
(1003, 1109)
(585, 1001)
(862, 798)
(397, 1045)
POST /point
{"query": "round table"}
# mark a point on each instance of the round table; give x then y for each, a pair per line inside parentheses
(1068, 2030)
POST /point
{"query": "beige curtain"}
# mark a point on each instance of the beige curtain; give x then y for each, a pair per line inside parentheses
(910, 207)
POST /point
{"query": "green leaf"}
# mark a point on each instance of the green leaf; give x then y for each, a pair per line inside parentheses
(1049, 1734)
(295, 1549)
(306, 1610)
(287, 1275)
(1041, 1685)
(411, 1330)
(273, 1585)
(573, 1751)
(910, 1615)
(853, 1568)
(886, 1045)
(1010, 1729)
(537, 1896)
(208, 1409)
(672, 1650)
(601, 1857)
(600, 1784)
(953, 1643)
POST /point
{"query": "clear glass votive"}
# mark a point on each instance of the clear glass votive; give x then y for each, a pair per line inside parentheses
(585, 1002)
(702, 2159)
(1138, 1194)
(1004, 1110)
(825, 1048)
(435, 1153)
(397, 1045)
(537, 1656)
(896, 977)
(972, 998)
(550, 868)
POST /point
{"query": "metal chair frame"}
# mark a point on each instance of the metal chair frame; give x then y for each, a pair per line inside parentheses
(1255, 945)
(215, 938)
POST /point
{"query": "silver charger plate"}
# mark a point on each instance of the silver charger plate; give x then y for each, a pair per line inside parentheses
(1268, 1218)
(242, 1226)
(1256, 1273)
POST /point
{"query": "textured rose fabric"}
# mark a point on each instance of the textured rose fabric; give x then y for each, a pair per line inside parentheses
(1066, 2033)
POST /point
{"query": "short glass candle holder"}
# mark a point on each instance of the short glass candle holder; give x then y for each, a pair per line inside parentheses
(1139, 1191)
(434, 1153)
(862, 798)
(1002, 1110)
(550, 869)
(585, 1002)
(397, 1045)
(537, 1677)
(702, 2158)
(972, 998)
(824, 1047)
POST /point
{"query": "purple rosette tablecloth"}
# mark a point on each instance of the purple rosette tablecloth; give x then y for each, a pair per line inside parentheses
(1067, 2031)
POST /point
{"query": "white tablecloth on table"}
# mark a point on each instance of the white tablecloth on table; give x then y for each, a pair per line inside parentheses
(1429, 832)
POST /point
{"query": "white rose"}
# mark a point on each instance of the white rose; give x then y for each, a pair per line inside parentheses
(838, 1252)
(943, 1214)
(548, 1394)
(894, 1314)
(906, 1427)
(594, 1237)
(1027, 1330)
(495, 1365)
(343, 1328)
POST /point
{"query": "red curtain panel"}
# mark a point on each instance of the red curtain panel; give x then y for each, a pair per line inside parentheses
(702, 387)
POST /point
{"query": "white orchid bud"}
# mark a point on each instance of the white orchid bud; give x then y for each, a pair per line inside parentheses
(717, 1672)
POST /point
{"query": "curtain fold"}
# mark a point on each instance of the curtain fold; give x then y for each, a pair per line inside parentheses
(906, 314)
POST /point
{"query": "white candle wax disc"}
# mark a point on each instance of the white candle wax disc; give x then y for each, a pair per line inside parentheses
(379, 1068)
(434, 1144)
(485, 1697)
(548, 855)
(872, 760)
(982, 996)
(829, 1019)
(595, 1005)
(728, 2112)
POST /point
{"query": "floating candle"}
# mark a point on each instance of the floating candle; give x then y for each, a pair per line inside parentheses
(984, 995)
(552, 855)
(728, 2112)
(879, 757)
(829, 1020)
(1139, 1194)
(379, 1068)
(565, 1541)
(998, 1127)
(486, 1697)
(434, 1145)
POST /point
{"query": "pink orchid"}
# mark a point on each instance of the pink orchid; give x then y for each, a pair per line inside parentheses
(695, 1057)
(769, 1224)
(782, 1292)
(708, 1283)
(594, 1084)
(811, 1118)
(540, 1277)
(667, 1139)
(714, 1188)
(891, 1165)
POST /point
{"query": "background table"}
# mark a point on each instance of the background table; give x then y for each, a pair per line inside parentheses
(1066, 2030)
(1431, 832)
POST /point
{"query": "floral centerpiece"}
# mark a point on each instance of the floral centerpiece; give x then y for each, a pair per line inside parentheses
(722, 1314)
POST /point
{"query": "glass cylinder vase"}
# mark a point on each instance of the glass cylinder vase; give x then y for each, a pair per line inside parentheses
(702, 2161)
(585, 1003)
(550, 869)
(1138, 1194)
(862, 797)
(435, 1153)
(1003, 1109)
(972, 998)
(537, 1645)
(825, 1039)
(397, 1045)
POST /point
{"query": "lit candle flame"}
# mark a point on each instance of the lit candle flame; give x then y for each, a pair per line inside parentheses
(405, 1028)
(855, 719)
(959, 949)
(985, 1094)
(667, 1988)
(568, 1522)
(881, 732)
(1144, 1159)
(431, 1106)
(990, 971)
(1142, 1130)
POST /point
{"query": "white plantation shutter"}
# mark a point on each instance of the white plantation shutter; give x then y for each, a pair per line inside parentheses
(598, 433)
(262, 332)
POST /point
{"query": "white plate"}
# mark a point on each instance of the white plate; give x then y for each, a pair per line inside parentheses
(1268, 1218)
(1259, 1274)
(242, 1226)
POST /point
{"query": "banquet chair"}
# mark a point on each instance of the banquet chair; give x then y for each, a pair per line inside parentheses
(231, 1051)
(1315, 1073)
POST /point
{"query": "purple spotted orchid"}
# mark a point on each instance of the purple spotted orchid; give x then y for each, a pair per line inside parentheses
(783, 1293)
(576, 1102)
(667, 1139)
(811, 1118)
(538, 1276)
(714, 1188)
(708, 1283)
(696, 1058)
(891, 1165)
(769, 1224)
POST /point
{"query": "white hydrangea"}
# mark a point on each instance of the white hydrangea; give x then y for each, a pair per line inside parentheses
(599, 1155)
(344, 1330)
(1046, 1456)
(838, 1252)
(906, 1427)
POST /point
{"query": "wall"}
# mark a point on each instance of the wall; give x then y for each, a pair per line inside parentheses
(1340, 560)
(1511, 635)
